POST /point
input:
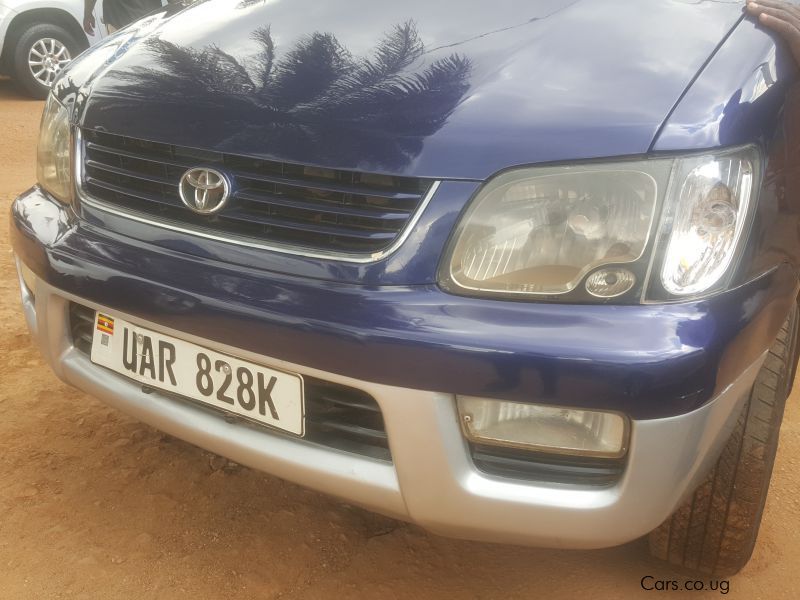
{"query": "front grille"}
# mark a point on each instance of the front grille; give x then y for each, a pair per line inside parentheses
(546, 468)
(271, 202)
(81, 324)
(337, 416)
(344, 418)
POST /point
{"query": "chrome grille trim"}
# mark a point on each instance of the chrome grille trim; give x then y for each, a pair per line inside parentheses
(85, 197)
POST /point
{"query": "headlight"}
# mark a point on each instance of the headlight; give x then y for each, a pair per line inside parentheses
(54, 155)
(586, 233)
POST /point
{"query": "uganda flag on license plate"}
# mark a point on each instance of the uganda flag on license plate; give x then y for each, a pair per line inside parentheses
(105, 324)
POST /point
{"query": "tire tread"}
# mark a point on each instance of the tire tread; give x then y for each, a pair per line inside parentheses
(715, 530)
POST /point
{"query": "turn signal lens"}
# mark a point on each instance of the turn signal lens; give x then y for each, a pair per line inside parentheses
(707, 220)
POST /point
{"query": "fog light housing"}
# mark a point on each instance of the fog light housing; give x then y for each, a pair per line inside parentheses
(541, 428)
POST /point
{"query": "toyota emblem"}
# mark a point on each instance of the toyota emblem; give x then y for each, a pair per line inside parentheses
(205, 191)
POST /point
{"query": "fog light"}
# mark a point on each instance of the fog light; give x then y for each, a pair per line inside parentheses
(28, 277)
(544, 428)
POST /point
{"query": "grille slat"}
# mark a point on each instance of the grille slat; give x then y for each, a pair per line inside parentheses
(355, 431)
(301, 206)
(340, 231)
(128, 154)
(319, 207)
(348, 402)
(131, 173)
(81, 320)
(337, 416)
(84, 318)
(139, 195)
(330, 187)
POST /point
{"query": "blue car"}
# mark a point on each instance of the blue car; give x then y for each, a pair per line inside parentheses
(522, 272)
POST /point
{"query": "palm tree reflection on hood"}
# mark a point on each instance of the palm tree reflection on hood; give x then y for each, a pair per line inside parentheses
(310, 96)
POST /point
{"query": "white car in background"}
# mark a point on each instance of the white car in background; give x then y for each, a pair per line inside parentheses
(39, 37)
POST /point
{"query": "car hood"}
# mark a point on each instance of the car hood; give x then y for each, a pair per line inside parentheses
(419, 88)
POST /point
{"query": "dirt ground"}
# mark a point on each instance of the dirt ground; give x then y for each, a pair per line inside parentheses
(96, 505)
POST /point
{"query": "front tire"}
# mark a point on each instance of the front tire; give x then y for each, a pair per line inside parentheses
(715, 530)
(41, 53)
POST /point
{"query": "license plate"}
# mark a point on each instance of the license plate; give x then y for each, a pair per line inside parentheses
(270, 397)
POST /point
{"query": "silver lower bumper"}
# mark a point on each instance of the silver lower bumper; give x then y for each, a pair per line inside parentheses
(432, 480)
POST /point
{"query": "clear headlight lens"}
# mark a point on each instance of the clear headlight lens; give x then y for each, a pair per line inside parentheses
(543, 428)
(54, 155)
(588, 231)
(541, 231)
(706, 220)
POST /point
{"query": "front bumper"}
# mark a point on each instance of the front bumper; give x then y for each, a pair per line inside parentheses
(431, 480)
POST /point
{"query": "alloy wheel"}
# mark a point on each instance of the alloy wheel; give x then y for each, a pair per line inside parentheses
(46, 59)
